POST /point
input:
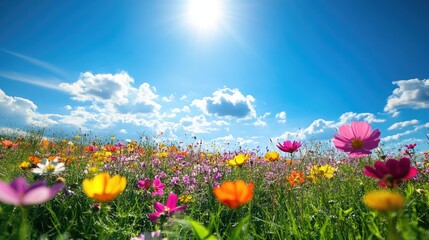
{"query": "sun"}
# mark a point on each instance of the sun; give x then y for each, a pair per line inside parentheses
(205, 16)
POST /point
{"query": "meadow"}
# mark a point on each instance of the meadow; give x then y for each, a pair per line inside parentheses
(90, 187)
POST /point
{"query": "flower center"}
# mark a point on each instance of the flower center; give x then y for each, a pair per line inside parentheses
(357, 143)
(50, 167)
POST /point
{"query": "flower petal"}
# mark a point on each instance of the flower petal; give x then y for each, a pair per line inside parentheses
(37, 196)
(172, 201)
(8, 194)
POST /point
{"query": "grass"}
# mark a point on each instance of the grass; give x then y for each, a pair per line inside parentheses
(327, 209)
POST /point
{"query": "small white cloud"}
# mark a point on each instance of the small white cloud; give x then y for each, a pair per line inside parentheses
(227, 102)
(408, 132)
(413, 93)
(184, 97)
(281, 116)
(259, 122)
(400, 125)
(168, 99)
(124, 131)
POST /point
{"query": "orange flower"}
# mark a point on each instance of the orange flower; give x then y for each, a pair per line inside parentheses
(234, 194)
(295, 177)
(7, 143)
(34, 159)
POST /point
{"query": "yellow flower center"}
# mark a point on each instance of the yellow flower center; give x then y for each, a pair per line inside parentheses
(357, 143)
(50, 168)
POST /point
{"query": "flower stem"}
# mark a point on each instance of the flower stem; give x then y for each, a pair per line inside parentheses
(23, 229)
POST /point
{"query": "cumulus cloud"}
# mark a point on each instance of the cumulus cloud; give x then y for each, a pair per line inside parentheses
(115, 90)
(227, 102)
(413, 93)
(408, 132)
(400, 125)
(367, 117)
(21, 111)
(199, 124)
(281, 116)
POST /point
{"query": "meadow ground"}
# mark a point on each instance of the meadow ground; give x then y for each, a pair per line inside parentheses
(117, 189)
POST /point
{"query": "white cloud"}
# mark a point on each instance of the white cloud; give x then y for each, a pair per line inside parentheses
(408, 132)
(168, 99)
(21, 111)
(115, 90)
(259, 122)
(51, 83)
(413, 93)
(124, 131)
(227, 102)
(351, 116)
(400, 125)
(281, 116)
(199, 124)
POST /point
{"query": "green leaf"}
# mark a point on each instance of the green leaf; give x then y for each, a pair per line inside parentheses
(201, 231)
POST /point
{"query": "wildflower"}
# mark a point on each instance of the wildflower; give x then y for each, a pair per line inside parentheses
(166, 210)
(238, 160)
(158, 187)
(34, 159)
(384, 200)
(24, 165)
(392, 172)
(144, 184)
(163, 154)
(49, 167)
(185, 198)
(296, 177)
(318, 172)
(103, 188)
(289, 146)
(20, 193)
(272, 156)
(357, 139)
(7, 143)
(234, 194)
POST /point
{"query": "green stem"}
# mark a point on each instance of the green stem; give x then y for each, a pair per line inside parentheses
(23, 229)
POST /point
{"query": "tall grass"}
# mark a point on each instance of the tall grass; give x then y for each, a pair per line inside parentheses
(326, 209)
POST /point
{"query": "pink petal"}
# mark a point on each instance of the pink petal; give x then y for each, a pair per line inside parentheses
(172, 201)
(154, 216)
(413, 172)
(36, 196)
(346, 131)
(159, 207)
(180, 208)
(8, 195)
(370, 172)
(361, 129)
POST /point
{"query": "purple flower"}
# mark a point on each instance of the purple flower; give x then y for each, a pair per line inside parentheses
(392, 172)
(144, 184)
(289, 146)
(20, 193)
(166, 210)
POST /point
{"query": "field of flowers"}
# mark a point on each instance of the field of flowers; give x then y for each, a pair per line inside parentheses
(86, 187)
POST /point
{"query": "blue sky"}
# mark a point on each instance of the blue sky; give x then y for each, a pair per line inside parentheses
(258, 70)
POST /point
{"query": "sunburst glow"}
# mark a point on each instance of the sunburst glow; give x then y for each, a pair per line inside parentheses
(204, 15)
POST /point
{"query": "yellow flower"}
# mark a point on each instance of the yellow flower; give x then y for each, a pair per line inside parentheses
(185, 198)
(163, 154)
(238, 160)
(272, 156)
(318, 172)
(24, 165)
(103, 188)
(384, 200)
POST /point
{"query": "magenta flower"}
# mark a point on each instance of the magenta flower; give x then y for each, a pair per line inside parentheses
(144, 184)
(356, 139)
(289, 146)
(20, 193)
(166, 210)
(158, 187)
(392, 172)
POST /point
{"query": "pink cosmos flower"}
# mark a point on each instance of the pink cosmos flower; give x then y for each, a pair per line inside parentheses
(166, 210)
(392, 172)
(20, 193)
(357, 139)
(158, 187)
(289, 146)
